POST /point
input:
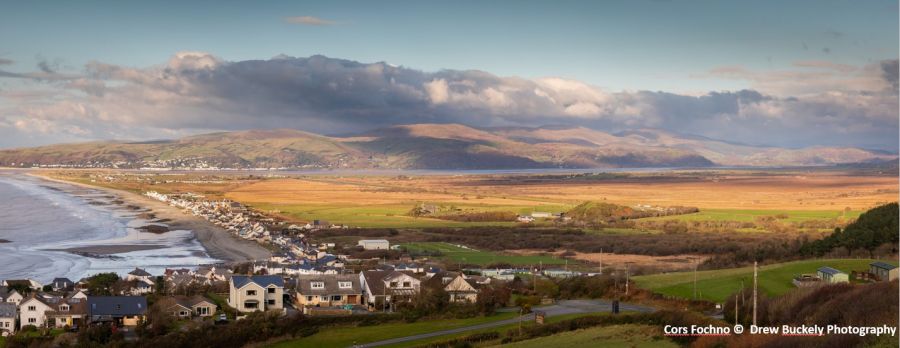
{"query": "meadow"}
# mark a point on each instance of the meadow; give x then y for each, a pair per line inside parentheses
(458, 254)
(717, 285)
(616, 336)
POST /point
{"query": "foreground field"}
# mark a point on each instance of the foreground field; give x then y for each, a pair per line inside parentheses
(454, 253)
(717, 285)
(634, 336)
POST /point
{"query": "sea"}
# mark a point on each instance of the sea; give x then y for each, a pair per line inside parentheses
(38, 218)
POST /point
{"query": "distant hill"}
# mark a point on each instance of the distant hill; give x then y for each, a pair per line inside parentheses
(432, 146)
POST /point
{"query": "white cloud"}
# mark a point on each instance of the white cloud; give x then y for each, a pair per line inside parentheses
(308, 20)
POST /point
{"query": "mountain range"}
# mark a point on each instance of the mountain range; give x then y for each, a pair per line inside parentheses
(434, 146)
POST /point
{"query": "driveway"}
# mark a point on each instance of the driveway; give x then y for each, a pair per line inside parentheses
(560, 308)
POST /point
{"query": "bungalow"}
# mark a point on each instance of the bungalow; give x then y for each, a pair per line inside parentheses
(831, 275)
(254, 293)
(883, 271)
(186, 307)
(388, 287)
(117, 310)
(138, 274)
(328, 290)
(460, 288)
(62, 284)
(374, 244)
(10, 295)
(7, 319)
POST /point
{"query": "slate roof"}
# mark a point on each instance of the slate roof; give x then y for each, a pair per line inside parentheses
(139, 272)
(304, 284)
(7, 310)
(261, 280)
(117, 305)
(829, 270)
(882, 265)
(375, 280)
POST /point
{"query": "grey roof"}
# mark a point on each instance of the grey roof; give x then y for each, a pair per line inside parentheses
(829, 270)
(304, 284)
(7, 310)
(261, 280)
(139, 272)
(883, 265)
(117, 305)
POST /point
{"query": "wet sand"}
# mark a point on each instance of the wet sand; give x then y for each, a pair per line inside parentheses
(218, 242)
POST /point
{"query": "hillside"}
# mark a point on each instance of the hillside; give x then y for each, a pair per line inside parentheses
(431, 146)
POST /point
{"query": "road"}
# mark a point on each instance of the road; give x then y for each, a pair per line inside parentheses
(560, 308)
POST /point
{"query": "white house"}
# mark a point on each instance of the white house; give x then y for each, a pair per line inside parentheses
(374, 244)
(7, 319)
(256, 293)
(10, 295)
(32, 311)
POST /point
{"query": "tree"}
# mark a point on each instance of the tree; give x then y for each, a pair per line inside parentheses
(102, 283)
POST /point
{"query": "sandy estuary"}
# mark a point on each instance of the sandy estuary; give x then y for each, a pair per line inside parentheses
(55, 229)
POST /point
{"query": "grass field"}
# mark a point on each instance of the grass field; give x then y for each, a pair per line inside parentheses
(347, 336)
(453, 253)
(750, 215)
(617, 336)
(717, 285)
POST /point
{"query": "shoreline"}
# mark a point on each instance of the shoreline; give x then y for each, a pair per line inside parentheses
(219, 243)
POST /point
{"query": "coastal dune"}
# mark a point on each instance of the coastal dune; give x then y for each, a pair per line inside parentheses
(218, 242)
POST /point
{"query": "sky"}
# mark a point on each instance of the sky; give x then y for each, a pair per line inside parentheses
(784, 73)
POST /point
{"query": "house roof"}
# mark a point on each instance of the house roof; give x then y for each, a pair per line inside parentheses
(63, 280)
(375, 279)
(117, 305)
(261, 280)
(304, 284)
(829, 270)
(882, 265)
(7, 310)
(139, 272)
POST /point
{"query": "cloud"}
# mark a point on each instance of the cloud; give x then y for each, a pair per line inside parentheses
(818, 103)
(4, 61)
(308, 20)
(889, 70)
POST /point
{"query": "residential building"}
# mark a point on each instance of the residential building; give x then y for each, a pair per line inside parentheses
(32, 311)
(187, 307)
(255, 293)
(62, 284)
(66, 312)
(460, 287)
(831, 275)
(328, 290)
(8, 316)
(381, 289)
(883, 271)
(117, 310)
(10, 295)
(374, 244)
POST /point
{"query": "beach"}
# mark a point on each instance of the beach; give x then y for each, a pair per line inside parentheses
(219, 243)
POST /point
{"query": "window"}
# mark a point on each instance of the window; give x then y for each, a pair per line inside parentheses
(251, 292)
(271, 290)
(393, 284)
(336, 298)
(64, 308)
(32, 308)
(345, 285)
(323, 298)
(309, 298)
(317, 285)
(252, 305)
(32, 320)
(271, 302)
(406, 284)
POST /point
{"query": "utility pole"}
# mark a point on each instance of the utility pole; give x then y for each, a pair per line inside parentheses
(737, 305)
(601, 261)
(755, 275)
(626, 279)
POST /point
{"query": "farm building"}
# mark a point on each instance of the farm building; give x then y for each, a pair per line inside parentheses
(831, 275)
(374, 244)
(883, 271)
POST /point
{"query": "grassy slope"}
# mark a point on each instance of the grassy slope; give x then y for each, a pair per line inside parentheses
(608, 336)
(347, 336)
(717, 285)
(751, 214)
(457, 254)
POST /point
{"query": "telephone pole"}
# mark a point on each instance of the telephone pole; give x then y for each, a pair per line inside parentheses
(695, 279)
(755, 275)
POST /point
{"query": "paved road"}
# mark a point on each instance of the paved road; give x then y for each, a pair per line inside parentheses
(560, 308)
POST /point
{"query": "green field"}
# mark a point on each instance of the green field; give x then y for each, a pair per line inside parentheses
(377, 216)
(717, 285)
(623, 336)
(349, 335)
(453, 253)
(750, 215)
